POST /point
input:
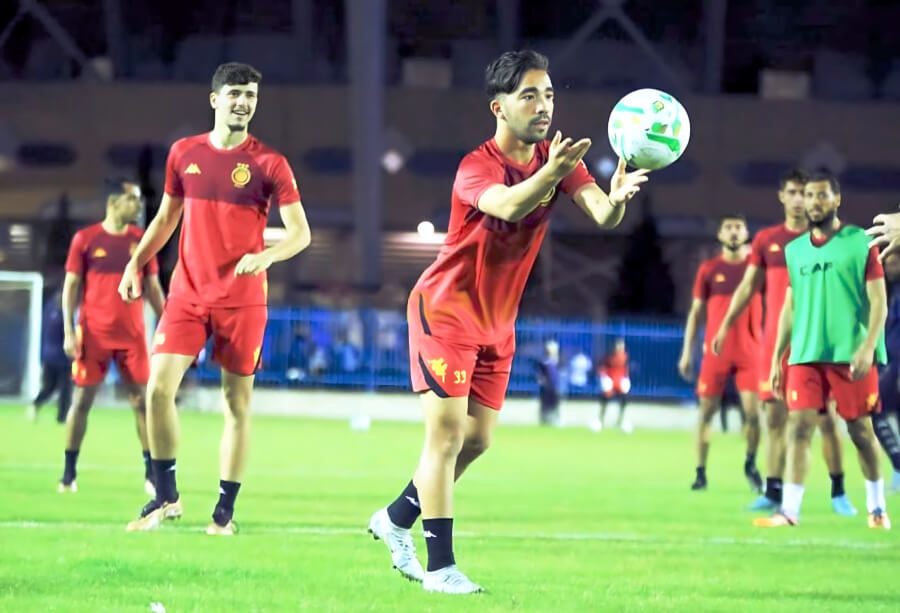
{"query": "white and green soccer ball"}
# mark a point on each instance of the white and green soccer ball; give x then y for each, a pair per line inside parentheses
(649, 129)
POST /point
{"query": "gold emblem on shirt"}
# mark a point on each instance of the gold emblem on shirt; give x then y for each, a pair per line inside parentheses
(548, 197)
(719, 278)
(192, 169)
(774, 248)
(241, 175)
(99, 252)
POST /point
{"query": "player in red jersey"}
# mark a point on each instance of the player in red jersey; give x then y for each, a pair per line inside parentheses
(462, 310)
(614, 383)
(224, 182)
(767, 274)
(107, 328)
(716, 280)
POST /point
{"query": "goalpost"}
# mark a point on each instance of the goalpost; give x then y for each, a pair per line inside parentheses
(21, 295)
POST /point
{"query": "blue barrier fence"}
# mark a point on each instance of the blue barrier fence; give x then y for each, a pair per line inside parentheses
(367, 349)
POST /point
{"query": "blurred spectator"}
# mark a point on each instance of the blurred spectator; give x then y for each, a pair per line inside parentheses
(56, 367)
(548, 384)
(580, 367)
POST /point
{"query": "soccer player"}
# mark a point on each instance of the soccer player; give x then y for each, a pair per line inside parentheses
(714, 284)
(548, 384)
(614, 383)
(224, 182)
(462, 310)
(767, 274)
(107, 328)
(837, 292)
(56, 367)
(889, 378)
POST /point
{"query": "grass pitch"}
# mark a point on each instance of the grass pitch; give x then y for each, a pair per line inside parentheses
(548, 520)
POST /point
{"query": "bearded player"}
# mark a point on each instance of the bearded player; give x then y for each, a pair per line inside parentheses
(833, 317)
(223, 182)
(767, 274)
(714, 284)
(462, 310)
(108, 329)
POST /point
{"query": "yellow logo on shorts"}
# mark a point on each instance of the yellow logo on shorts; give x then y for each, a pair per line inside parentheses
(439, 367)
(765, 386)
(702, 387)
(241, 175)
(794, 395)
(256, 354)
(159, 338)
(871, 400)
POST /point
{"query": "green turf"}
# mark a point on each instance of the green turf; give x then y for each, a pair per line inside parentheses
(549, 520)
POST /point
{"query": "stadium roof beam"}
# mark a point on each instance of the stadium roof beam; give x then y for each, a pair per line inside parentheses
(366, 34)
(56, 31)
(612, 9)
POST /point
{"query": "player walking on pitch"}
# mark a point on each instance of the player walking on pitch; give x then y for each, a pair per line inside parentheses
(107, 328)
(462, 310)
(224, 182)
(714, 284)
(767, 274)
(833, 317)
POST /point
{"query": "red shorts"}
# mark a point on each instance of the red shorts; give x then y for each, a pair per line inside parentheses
(765, 369)
(614, 386)
(809, 386)
(715, 370)
(94, 353)
(457, 369)
(237, 333)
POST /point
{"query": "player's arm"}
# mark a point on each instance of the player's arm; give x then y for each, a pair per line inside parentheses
(686, 363)
(158, 234)
(514, 202)
(154, 293)
(751, 283)
(885, 231)
(607, 210)
(70, 296)
(782, 340)
(865, 355)
(297, 238)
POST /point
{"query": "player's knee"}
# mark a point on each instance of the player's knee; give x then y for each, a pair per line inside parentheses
(827, 426)
(859, 433)
(776, 420)
(478, 442)
(159, 396)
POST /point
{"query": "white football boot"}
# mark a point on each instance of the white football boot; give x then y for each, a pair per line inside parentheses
(449, 580)
(399, 542)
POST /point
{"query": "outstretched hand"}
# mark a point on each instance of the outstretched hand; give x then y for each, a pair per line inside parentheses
(624, 185)
(886, 233)
(565, 155)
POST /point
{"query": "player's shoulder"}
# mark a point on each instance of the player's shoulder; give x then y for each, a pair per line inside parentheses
(264, 154)
(88, 233)
(851, 231)
(189, 142)
(134, 231)
(485, 153)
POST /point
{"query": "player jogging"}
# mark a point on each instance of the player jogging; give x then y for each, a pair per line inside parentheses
(833, 317)
(462, 310)
(615, 383)
(767, 274)
(107, 329)
(714, 284)
(224, 182)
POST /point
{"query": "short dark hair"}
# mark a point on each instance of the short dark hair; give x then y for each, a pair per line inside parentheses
(113, 187)
(730, 216)
(234, 73)
(503, 75)
(820, 175)
(794, 175)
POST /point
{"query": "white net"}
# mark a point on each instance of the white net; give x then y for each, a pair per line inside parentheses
(20, 333)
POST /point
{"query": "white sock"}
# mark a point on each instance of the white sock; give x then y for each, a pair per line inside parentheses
(792, 497)
(875, 495)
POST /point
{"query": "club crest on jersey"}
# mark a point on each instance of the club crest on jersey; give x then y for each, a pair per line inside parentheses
(192, 169)
(546, 199)
(240, 176)
(719, 278)
(99, 252)
(775, 248)
(439, 367)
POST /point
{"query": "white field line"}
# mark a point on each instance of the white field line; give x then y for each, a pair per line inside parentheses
(548, 536)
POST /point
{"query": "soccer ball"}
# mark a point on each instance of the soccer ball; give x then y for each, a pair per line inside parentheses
(649, 129)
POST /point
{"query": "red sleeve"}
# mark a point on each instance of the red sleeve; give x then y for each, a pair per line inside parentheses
(874, 269)
(284, 185)
(174, 187)
(474, 176)
(575, 180)
(75, 259)
(701, 284)
(756, 251)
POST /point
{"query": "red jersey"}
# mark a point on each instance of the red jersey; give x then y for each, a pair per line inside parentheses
(615, 365)
(473, 288)
(767, 254)
(100, 258)
(226, 194)
(715, 283)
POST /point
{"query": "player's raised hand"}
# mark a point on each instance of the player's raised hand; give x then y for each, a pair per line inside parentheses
(624, 185)
(130, 285)
(253, 264)
(686, 367)
(718, 341)
(565, 155)
(861, 363)
(885, 231)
